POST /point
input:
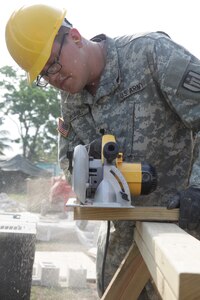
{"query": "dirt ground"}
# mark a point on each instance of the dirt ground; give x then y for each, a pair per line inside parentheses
(63, 293)
(71, 244)
(42, 293)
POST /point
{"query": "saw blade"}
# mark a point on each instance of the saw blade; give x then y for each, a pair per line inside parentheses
(80, 173)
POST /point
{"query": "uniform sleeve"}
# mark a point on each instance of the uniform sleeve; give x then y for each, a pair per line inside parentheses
(195, 178)
(177, 73)
(65, 145)
(67, 140)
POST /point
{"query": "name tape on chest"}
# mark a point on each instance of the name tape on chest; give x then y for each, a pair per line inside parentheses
(132, 90)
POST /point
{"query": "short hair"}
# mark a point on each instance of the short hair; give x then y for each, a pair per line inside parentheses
(65, 27)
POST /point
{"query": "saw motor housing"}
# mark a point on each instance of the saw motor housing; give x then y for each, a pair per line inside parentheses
(109, 181)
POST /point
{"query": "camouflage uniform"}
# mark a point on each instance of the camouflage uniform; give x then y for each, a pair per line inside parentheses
(149, 99)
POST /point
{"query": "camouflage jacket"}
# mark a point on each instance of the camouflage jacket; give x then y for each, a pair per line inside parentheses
(149, 98)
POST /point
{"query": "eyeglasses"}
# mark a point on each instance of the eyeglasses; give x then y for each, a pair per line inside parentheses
(43, 79)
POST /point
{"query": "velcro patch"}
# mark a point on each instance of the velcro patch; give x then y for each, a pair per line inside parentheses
(62, 128)
(192, 82)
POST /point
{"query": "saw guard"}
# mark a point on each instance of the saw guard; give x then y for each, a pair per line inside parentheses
(109, 191)
(80, 173)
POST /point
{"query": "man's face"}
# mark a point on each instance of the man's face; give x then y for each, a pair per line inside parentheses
(67, 68)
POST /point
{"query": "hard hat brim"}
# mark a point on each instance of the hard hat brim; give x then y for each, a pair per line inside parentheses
(39, 65)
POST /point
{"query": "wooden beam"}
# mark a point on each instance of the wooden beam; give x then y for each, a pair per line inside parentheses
(160, 283)
(130, 278)
(124, 213)
(172, 257)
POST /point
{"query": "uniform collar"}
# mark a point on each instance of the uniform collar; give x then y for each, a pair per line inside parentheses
(109, 80)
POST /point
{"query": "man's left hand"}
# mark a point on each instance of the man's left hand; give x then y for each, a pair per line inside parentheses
(189, 203)
(94, 148)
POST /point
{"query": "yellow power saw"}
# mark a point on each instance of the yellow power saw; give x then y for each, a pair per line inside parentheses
(109, 181)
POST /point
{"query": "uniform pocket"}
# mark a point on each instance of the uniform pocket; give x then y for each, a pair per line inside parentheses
(83, 125)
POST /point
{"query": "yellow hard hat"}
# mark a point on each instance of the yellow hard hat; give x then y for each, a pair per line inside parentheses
(30, 33)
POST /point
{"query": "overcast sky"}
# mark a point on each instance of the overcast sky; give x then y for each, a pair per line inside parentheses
(179, 18)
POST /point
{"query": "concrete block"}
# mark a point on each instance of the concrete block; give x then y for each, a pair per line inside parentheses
(43, 232)
(76, 278)
(49, 274)
(34, 270)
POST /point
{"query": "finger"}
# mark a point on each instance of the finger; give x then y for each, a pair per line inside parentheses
(194, 217)
(174, 202)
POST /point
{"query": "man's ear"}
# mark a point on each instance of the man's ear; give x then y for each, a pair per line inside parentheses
(75, 36)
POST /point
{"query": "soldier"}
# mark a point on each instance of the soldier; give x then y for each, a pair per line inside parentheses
(144, 89)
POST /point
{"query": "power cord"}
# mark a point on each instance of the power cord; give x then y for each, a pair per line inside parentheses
(104, 257)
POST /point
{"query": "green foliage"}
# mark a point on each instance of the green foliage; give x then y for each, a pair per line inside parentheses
(37, 110)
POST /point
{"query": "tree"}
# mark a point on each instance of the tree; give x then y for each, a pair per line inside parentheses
(37, 110)
(4, 140)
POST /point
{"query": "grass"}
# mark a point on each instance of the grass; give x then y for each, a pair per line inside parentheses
(21, 198)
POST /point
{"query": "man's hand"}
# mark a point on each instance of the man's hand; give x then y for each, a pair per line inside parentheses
(189, 203)
(94, 148)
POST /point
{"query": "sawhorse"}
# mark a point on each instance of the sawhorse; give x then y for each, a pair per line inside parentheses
(162, 251)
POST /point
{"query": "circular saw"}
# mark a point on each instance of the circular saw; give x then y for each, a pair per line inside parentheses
(109, 181)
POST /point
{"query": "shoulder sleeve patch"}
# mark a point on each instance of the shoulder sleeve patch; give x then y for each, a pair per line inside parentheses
(62, 128)
(192, 82)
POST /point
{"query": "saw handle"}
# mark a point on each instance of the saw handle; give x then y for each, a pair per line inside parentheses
(110, 151)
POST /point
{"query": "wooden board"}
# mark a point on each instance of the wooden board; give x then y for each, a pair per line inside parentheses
(124, 213)
(161, 284)
(129, 279)
(172, 257)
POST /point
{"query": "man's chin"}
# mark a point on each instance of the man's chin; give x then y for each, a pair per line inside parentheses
(70, 91)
